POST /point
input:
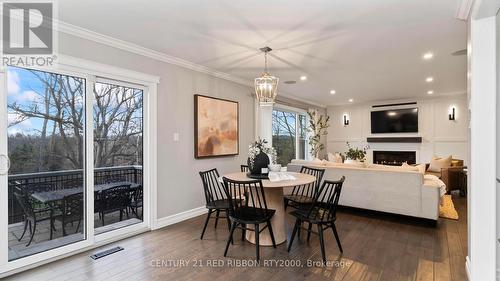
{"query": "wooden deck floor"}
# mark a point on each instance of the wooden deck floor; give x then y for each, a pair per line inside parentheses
(41, 241)
(376, 247)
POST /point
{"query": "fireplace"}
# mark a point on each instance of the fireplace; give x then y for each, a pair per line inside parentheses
(394, 158)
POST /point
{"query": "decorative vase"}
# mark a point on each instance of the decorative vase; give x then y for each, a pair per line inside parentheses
(260, 161)
(350, 161)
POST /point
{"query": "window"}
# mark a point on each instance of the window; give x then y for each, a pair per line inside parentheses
(45, 135)
(118, 154)
(289, 135)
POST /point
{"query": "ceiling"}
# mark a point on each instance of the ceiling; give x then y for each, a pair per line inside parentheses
(364, 50)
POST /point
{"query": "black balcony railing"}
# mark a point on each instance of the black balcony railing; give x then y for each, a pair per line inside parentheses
(65, 179)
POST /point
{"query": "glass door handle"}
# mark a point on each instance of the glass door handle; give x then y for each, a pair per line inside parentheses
(4, 164)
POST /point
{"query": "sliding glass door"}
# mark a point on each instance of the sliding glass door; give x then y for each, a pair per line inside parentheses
(74, 155)
(118, 155)
(45, 136)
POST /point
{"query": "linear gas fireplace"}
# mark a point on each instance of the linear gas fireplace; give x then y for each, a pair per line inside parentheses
(394, 158)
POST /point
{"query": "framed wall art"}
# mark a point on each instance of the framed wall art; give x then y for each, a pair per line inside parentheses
(216, 131)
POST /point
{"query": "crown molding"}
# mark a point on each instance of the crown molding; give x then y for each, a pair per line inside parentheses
(441, 96)
(146, 52)
(156, 55)
(463, 9)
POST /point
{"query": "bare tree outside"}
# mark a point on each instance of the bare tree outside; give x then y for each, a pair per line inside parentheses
(46, 124)
(118, 125)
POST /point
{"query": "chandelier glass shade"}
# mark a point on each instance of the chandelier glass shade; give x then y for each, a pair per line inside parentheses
(266, 86)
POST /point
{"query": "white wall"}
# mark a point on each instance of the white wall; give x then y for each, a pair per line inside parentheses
(179, 185)
(440, 136)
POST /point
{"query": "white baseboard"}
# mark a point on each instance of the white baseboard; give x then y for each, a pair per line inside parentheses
(467, 268)
(165, 221)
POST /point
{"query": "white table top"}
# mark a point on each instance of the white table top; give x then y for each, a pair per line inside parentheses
(300, 180)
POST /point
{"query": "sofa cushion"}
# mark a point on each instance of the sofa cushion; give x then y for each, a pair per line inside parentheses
(439, 163)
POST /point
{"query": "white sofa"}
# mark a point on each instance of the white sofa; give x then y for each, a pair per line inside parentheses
(382, 188)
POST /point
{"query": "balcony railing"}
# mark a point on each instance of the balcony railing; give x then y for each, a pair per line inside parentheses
(65, 179)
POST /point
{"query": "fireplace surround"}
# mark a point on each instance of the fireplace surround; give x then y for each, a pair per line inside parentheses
(394, 158)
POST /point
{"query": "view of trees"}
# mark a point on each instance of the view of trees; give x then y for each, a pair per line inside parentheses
(286, 126)
(46, 123)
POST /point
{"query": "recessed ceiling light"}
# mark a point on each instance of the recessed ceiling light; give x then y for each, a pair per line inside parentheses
(332, 92)
(428, 56)
(351, 100)
(303, 78)
(430, 92)
(429, 79)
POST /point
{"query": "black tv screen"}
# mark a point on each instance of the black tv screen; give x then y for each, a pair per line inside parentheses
(395, 121)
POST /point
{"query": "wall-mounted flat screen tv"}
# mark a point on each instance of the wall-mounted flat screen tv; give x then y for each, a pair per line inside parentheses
(395, 121)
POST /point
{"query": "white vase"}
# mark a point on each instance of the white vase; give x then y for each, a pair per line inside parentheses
(350, 161)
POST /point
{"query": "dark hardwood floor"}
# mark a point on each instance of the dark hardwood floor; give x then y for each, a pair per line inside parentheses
(376, 247)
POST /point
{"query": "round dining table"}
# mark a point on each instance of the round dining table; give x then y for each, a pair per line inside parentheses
(273, 191)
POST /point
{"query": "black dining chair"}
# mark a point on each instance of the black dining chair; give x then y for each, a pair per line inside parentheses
(32, 215)
(322, 212)
(215, 197)
(114, 199)
(71, 211)
(304, 194)
(244, 168)
(253, 211)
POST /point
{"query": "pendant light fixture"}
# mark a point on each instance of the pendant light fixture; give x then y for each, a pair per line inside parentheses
(266, 85)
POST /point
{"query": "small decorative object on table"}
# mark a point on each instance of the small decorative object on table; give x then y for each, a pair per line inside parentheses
(355, 154)
(274, 167)
(259, 158)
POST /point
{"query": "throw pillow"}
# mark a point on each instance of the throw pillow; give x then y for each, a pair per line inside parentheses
(438, 163)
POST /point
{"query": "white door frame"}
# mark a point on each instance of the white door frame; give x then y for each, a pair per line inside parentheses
(481, 259)
(88, 70)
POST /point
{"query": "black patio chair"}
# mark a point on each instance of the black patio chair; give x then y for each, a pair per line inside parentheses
(33, 215)
(253, 211)
(73, 183)
(322, 212)
(244, 168)
(116, 178)
(215, 197)
(71, 211)
(114, 199)
(35, 187)
(136, 202)
(304, 194)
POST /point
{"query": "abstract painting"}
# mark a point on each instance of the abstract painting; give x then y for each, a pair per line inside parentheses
(215, 127)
